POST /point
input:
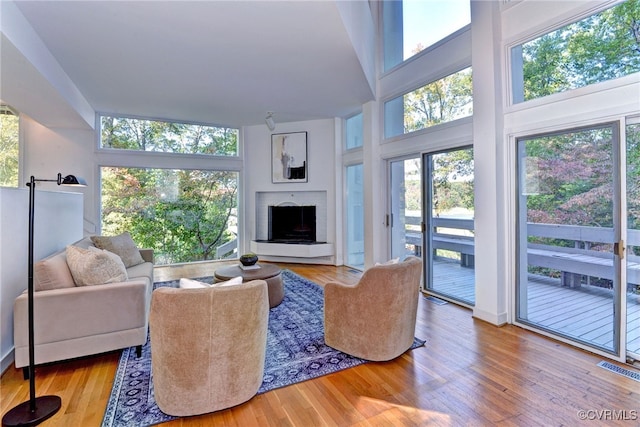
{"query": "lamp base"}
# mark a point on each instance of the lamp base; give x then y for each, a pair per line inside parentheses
(22, 415)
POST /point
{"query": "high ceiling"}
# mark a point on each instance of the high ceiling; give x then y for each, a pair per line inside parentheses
(217, 62)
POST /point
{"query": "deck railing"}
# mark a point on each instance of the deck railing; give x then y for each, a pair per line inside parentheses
(591, 253)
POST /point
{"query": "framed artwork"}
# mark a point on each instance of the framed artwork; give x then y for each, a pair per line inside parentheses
(289, 157)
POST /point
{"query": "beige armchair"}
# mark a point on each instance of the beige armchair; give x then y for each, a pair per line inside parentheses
(208, 346)
(376, 318)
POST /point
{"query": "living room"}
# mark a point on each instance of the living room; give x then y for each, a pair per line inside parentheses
(59, 130)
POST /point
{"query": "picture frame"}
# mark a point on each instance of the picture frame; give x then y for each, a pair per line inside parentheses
(289, 161)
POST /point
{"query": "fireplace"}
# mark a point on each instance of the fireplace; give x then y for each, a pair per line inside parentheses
(292, 224)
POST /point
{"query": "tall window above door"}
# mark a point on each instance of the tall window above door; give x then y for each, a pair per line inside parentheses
(411, 26)
(353, 133)
(444, 100)
(600, 47)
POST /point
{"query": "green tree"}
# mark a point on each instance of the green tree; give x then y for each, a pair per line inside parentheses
(601, 47)
(167, 137)
(444, 100)
(453, 180)
(9, 149)
(574, 174)
(185, 215)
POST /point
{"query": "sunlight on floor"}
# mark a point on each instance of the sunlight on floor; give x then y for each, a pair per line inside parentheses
(397, 412)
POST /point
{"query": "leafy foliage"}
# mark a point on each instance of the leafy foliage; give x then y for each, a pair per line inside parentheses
(184, 215)
(453, 180)
(9, 133)
(444, 100)
(574, 178)
(167, 137)
(601, 47)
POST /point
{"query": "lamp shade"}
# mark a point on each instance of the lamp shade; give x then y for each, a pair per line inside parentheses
(71, 180)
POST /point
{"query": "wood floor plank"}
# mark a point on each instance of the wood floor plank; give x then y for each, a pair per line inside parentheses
(468, 373)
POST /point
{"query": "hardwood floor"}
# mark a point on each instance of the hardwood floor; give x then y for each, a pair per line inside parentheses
(468, 373)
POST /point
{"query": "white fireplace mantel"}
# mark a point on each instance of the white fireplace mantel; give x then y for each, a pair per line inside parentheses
(259, 244)
(298, 250)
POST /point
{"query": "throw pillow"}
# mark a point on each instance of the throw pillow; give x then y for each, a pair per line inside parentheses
(235, 281)
(52, 273)
(121, 245)
(390, 262)
(94, 266)
(192, 284)
(196, 284)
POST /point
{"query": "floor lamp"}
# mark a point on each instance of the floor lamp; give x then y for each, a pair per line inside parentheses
(36, 409)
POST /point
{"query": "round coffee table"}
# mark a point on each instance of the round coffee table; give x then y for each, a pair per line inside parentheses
(267, 272)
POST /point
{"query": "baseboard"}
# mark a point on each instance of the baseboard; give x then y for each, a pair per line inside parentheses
(7, 361)
(499, 319)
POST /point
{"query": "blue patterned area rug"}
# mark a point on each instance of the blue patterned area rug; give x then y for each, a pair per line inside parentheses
(295, 352)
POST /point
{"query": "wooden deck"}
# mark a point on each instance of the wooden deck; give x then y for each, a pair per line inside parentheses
(585, 313)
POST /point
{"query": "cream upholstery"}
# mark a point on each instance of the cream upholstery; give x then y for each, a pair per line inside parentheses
(208, 346)
(73, 321)
(376, 318)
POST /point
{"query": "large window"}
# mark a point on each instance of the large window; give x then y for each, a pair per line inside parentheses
(9, 146)
(167, 137)
(601, 47)
(185, 208)
(410, 26)
(444, 100)
(355, 217)
(353, 133)
(184, 215)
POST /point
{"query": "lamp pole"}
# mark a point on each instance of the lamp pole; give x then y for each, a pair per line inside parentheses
(36, 409)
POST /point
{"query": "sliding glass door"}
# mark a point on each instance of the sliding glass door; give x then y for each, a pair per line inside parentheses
(570, 237)
(633, 237)
(449, 254)
(405, 218)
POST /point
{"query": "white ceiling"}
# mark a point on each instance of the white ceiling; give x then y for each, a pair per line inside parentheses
(218, 62)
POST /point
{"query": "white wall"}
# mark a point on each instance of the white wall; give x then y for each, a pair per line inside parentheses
(58, 221)
(48, 151)
(257, 172)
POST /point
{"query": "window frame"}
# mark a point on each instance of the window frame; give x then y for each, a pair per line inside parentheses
(433, 46)
(123, 158)
(442, 125)
(100, 148)
(537, 31)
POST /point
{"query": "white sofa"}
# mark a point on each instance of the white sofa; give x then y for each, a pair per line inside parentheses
(73, 321)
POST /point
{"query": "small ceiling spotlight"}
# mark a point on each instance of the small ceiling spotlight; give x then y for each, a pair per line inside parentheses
(271, 124)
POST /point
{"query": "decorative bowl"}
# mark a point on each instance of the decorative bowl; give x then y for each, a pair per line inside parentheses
(248, 259)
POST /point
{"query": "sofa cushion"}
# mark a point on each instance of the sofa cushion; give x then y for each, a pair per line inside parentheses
(94, 266)
(121, 245)
(52, 273)
(141, 270)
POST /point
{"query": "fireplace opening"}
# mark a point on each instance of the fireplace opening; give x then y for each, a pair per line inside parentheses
(292, 224)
